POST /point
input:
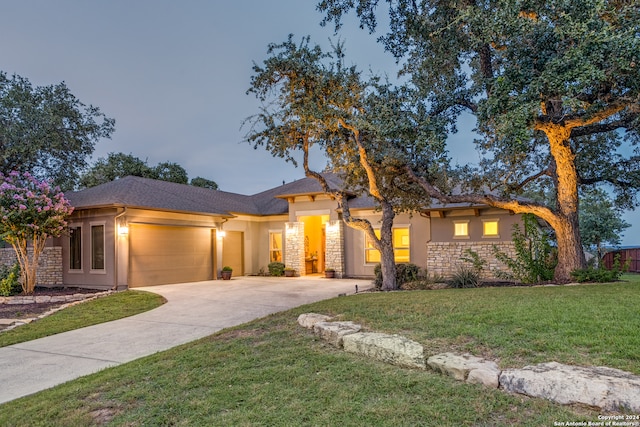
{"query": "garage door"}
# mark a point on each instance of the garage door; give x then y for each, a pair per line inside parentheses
(162, 254)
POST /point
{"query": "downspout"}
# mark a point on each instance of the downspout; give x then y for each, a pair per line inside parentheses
(116, 235)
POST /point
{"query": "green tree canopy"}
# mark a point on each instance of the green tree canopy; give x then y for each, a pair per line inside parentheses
(554, 86)
(172, 172)
(119, 165)
(311, 99)
(47, 131)
(601, 222)
(114, 166)
(204, 183)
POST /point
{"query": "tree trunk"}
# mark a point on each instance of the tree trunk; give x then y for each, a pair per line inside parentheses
(570, 253)
(388, 268)
(565, 223)
(28, 264)
(387, 256)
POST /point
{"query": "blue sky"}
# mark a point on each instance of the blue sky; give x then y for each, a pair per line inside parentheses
(174, 75)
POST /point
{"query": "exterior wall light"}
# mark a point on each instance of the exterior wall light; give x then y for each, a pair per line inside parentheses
(123, 229)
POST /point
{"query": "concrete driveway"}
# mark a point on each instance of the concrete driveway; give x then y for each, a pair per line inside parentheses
(193, 310)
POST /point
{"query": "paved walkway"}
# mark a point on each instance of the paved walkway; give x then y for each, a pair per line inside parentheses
(193, 310)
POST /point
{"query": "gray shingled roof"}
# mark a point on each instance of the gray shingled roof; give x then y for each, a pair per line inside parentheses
(133, 191)
(136, 192)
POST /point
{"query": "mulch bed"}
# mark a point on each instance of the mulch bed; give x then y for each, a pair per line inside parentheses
(24, 311)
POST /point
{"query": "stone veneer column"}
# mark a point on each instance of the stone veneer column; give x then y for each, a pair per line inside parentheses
(294, 247)
(334, 251)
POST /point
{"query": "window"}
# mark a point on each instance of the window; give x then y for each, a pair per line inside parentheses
(97, 247)
(275, 246)
(75, 248)
(371, 254)
(461, 229)
(490, 228)
(401, 246)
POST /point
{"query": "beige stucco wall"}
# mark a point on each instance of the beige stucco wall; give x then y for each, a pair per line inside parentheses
(116, 244)
(256, 239)
(442, 228)
(85, 277)
(419, 234)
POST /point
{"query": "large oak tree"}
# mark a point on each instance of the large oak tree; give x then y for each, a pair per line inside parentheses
(47, 131)
(310, 99)
(554, 86)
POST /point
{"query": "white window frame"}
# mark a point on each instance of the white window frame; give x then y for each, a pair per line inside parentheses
(102, 270)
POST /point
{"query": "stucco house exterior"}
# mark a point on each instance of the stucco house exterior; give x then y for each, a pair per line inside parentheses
(139, 232)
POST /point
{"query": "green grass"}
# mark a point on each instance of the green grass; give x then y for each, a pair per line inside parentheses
(273, 372)
(100, 310)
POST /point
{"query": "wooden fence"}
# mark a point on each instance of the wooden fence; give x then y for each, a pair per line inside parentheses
(631, 253)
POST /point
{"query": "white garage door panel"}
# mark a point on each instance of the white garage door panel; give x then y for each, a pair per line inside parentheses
(162, 254)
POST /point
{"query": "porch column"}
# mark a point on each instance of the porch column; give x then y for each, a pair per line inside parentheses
(334, 255)
(294, 247)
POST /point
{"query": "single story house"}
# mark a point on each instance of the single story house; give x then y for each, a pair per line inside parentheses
(136, 231)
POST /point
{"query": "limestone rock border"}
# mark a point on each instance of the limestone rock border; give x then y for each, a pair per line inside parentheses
(68, 300)
(606, 388)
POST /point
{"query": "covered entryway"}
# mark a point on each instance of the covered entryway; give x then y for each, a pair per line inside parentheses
(160, 254)
(314, 242)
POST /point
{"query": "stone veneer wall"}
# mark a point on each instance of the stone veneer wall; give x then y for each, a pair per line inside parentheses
(334, 251)
(444, 257)
(294, 247)
(49, 264)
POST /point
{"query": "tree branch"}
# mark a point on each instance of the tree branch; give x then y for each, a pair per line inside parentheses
(598, 128)
(527, 180)
(484, 199)
(571, 122)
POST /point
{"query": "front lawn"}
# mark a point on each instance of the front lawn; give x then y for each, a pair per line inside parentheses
(273, 372)
(100, 310)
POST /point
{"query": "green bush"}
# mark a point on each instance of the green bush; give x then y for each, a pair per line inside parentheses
(9, 280)
(535, 259)
(425, 281)
(276, 269)
(465, 277)
(404, 273)
(601, 274)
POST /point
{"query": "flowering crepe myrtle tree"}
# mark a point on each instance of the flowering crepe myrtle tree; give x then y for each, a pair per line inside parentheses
(31, 211)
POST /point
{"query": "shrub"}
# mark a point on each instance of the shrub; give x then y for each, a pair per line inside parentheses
(404, 273)
(472, 257)
(535, 259)
(601, 274)
(425, 281)
(276, 269)
(465, 277)
(9, 280)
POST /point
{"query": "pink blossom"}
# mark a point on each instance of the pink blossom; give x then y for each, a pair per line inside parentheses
(22, 207)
